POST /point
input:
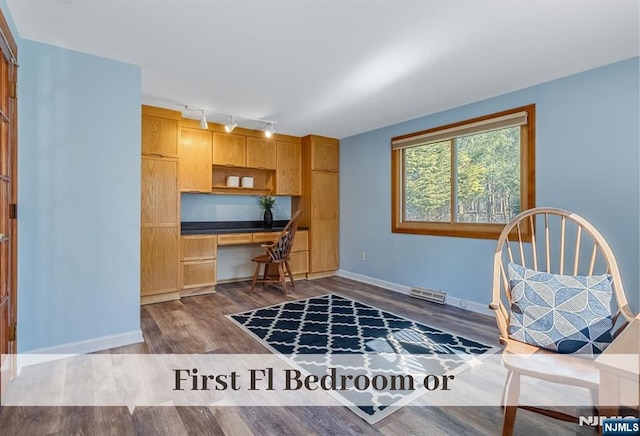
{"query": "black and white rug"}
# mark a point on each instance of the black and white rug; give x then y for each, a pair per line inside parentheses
(331, 334)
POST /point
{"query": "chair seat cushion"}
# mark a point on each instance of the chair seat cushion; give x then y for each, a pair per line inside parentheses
(566, 314)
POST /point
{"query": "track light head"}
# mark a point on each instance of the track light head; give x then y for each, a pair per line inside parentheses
(269, 131)
(232, 125)
(203, 121)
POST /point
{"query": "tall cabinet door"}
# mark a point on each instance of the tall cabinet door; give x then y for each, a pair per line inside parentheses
(160, 205)
(159, 192)
(160, 226)
(324, 218)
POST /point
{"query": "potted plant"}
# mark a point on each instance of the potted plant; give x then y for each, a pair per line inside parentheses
(267, 203)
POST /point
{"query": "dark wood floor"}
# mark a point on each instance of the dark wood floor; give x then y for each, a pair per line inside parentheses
(198, 325)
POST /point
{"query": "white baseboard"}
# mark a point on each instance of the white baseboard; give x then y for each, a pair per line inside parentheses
(373, 281)
(86, 346)
(473, 306)
(453, 301)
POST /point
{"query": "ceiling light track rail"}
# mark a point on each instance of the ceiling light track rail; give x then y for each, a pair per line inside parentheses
(233, 121)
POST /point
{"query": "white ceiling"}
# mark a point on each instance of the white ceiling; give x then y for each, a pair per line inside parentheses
(337, 67)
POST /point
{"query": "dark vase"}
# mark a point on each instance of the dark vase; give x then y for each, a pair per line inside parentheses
(268, 219)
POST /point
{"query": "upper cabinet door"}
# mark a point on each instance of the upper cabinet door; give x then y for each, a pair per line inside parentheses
(325, 156)
(288, 169)
(195, 161)
(160, 136)
(229, 150)
(261, 153)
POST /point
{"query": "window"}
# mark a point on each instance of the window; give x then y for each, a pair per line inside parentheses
(465, 179)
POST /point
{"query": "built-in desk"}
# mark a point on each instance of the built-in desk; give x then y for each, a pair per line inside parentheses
(199, 248)
(619, 367)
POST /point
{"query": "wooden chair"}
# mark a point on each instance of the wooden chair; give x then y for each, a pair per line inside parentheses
(558, 242)
(278, 254)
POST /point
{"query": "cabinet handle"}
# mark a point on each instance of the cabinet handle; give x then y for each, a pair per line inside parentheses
(229, 165)
(155, 155)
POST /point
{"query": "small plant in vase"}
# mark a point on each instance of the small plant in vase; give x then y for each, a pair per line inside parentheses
(267, 204)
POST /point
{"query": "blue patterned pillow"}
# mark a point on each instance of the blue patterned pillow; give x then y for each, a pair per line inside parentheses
(567, 314)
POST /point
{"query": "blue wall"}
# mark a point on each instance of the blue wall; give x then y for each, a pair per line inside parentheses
(79, 197)
(205, 207)
(587, 161)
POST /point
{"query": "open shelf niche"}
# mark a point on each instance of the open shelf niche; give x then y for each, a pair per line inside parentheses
(263, 180)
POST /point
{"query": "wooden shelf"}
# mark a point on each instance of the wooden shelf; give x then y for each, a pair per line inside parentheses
(262, 181)
(232, 190)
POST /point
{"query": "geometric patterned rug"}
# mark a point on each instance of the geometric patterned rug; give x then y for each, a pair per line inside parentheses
(337, 336)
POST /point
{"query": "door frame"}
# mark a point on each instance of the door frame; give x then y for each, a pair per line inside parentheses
(9, 49)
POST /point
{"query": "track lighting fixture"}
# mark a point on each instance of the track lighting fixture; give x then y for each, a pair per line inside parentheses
(203, 120)
(230, 126)
(249, 123)
(269, 131)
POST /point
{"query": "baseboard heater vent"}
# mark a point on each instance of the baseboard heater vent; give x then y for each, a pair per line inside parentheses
(429, 295)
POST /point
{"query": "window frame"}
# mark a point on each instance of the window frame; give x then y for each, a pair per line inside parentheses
(459, 229)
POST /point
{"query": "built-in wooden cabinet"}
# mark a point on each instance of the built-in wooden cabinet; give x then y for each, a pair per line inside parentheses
(229, 150)
(199, 247)
(288, 168)
(198, 274)
(159, 189)
(320, 203)
(160, 206)
(262, 181)
(178, 156)
(325, 155)
(195, 160)
(265, 237)
(235, 238)
(299, 262)
(261, 153)
(159, 133)
(324, 219)
(273, 164)
(159, 261)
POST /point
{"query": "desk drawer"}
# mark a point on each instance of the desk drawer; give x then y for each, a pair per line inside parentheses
(301, 241)
(198, 273)
(198, 247)
(234, 239)
(265, 237)
(299, 262)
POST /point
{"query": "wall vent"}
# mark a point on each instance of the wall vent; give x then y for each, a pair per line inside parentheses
(429, 295)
